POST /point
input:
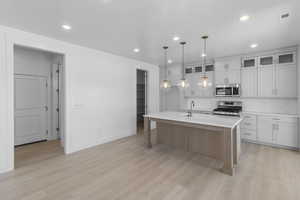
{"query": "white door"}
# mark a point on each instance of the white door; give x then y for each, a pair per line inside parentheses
(266, 81)
(286, 80)
(249, 82)
(265, 129)
(30, 109)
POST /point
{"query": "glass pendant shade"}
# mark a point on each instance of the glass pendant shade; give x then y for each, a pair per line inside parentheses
(165, 83)
(204, 80)
(183, 83)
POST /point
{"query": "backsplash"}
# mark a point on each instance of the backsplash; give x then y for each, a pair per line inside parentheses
(282, 106)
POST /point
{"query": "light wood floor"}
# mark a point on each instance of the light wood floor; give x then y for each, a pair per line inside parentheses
(126, 169)
(34, 153)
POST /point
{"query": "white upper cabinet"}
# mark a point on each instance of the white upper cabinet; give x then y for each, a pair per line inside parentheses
(249, 82)
(286, 81)
(266, 81)
(277, 75)
(249, 77)
(265, 61)
(249, 63)
(286, 58)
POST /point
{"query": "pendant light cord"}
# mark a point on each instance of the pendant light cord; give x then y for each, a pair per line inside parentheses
(182, 63)
(204, 55)
(165, 54)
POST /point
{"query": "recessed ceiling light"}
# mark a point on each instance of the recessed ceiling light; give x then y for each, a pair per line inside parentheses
(244, 18)
(136, 50)
(253, 46)
(176, 38)
(66, 27)
(170, 61)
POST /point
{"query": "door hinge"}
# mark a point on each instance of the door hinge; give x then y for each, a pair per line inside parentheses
(46, 108)
(46, 132)
(57, 71)
(57, 129)
(57, 90)
(46, 84)
(57, 109)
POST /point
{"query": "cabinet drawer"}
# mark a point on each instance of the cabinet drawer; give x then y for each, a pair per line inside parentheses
(248, 134)
(249, 122)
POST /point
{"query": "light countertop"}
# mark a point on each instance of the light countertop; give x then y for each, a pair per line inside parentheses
(201, 119)
(270, 114)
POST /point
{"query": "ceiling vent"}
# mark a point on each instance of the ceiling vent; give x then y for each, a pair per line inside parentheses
(284, 16)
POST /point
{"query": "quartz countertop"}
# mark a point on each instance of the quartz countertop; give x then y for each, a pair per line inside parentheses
(270, 114)
(197, 118)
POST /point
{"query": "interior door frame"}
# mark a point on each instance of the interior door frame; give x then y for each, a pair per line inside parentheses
(48, 99)
(146, 91)
(10, 45)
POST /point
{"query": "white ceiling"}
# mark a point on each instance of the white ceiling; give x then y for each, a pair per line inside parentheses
(119, 26)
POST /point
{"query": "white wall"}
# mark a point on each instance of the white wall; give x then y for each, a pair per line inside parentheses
(100, 93)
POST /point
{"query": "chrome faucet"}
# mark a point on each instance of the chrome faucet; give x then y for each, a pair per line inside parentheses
(190, 112)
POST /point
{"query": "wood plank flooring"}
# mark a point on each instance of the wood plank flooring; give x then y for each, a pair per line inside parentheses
(126, 169)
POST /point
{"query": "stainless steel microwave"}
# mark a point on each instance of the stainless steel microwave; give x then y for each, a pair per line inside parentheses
(230, 90)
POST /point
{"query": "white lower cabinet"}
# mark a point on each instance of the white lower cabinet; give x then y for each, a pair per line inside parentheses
(265, 129)
(273, 130)
(286, 133)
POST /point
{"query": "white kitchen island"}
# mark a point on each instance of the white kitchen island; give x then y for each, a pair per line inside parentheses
(211, 135)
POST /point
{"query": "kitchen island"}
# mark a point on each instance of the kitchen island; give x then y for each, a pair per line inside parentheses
(211, 135)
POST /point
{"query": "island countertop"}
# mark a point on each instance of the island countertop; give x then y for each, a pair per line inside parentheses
(201, 119)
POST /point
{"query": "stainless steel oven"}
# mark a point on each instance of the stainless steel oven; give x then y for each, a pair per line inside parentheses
(230, 90)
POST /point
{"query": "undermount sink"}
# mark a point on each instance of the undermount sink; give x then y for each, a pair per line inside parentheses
(205, 112)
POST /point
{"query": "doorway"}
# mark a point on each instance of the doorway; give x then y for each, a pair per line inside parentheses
(141, 99)
(37, 107)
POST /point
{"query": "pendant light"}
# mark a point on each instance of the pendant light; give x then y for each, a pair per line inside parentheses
(183, 82)
(165, 83)
(204, 79)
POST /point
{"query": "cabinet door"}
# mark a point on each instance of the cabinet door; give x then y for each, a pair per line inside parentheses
(286, 58)
(265, 129)
(266, 81)
(248, 63)
(249, 82)
(286, 81)
(287, 134)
